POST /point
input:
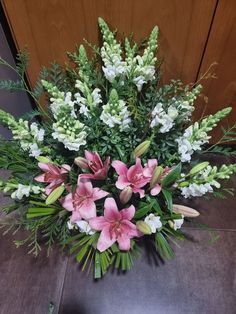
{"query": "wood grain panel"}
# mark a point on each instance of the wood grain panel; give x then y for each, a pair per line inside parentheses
(51, 27)
(221, 47)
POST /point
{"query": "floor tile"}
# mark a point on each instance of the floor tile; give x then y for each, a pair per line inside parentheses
(201, 279)
(29, 284)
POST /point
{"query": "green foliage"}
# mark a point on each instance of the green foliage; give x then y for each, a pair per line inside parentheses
(12, 86)
(38, 88)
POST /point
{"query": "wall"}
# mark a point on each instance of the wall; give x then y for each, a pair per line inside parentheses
(14, 103)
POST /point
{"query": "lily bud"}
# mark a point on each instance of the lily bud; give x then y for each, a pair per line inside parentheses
(171, 224)
(199, 167)
(143, 227)
(183, 184)
(55, 195)
(43, 159)
(126, 194)
(156, 176)
(184, 210)
(141, 148)
(81, 162)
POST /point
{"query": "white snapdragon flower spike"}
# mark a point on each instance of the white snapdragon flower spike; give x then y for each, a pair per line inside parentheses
(29, 136)
(60, 102)
(196, 190)
(25, 190)
(143, 72)
(117, 116)
(153, 222)
(111, 54)
(114, 68)
(162, 119)
(70, 139)
(177, 223)
(70, 225)
(88, 100)
(37, 132)
(115, 112)
(196, 135)
(84, 227)
(35, 151)
(187, 146)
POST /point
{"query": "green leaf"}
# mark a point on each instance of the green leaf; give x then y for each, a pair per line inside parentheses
(163, 246)
(97, 266)
(142, 211)
(42, 210)
(168, 199)
(172, 176)
(53, 197)
(35, 215)
(82, 253)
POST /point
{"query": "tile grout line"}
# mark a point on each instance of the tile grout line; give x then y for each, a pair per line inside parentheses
(62, 286)
(210, 229)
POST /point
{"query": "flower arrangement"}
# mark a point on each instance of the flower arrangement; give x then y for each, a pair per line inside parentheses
(109, 158)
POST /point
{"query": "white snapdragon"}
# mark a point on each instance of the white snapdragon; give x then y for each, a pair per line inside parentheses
(82, 225)
(143, 71)
(29, 136)
(113, 65)
(111, 54)
(72, 138)
(142, 68)
(89, 99)
(154, 222)
(187, 145)
(163, 119)
(117, 114)
(197, 190)
(63, 99)
(25, 190)
(177, 223)
(196, 135)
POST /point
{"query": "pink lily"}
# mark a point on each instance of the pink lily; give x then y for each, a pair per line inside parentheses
(95, 164)
(132, 177)
(148, 173)
(53, 174)
(82, 202)
(115, 226)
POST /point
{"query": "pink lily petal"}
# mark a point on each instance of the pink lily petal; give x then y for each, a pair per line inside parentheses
(40, 178)
(87, 176)
(140, 191)
(130, 229)
(120, 167)
(122, 182)
(75, 216)
(87, 209)
(105, 240)
(156, 190)
(89, 155)
(128, 213)
(44, 166)
(98, 223)
(98, 194)
(111, 212)
(65, 168)
(67, 203)
(84, 189)
(124, 242)
(149, 168)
